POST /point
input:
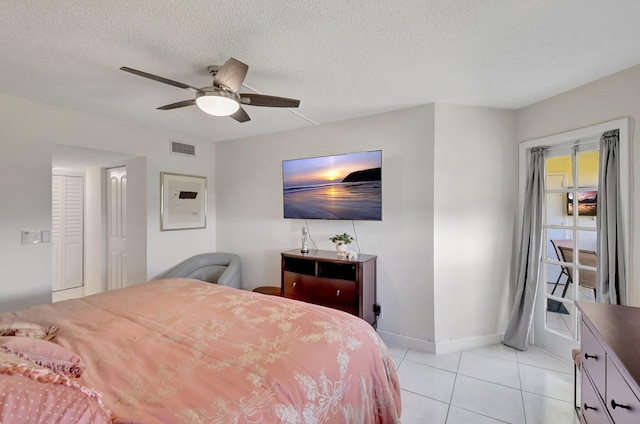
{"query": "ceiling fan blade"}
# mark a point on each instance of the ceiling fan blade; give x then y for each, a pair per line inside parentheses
(231, 74)
(159, 79)
(252, 99)
(178, 104)
(241, 115)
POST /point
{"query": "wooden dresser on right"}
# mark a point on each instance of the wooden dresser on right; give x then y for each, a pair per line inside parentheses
(610, 358)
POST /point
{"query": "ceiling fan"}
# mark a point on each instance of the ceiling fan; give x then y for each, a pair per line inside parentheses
(221, 98)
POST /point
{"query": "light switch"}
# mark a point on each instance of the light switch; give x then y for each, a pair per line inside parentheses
(30, 237)
(45, 236)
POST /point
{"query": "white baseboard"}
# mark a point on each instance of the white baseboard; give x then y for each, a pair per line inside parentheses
(446, 346)
(406, 341)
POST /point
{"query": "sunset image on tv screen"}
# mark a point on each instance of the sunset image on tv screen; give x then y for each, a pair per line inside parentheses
(345, 186)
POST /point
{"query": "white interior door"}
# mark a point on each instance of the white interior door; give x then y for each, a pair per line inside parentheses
(67, 231)
(116, 228)
(554, 321)
(572, 152)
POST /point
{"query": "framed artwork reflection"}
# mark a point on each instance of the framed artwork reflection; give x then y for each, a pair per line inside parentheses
(183, 201)
(587, 203)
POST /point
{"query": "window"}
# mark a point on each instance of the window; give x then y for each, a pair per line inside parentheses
(571, 174)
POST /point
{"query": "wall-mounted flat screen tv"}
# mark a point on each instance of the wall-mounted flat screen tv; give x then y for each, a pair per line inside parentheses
(346, 186)
(587, 203)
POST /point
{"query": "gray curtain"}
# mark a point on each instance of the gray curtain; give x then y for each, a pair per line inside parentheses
(517, 331)
(611, 279)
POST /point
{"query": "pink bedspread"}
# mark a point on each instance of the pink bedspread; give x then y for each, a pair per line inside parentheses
(184, 351)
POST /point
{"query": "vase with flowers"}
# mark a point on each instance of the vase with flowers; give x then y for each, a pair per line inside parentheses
(342, 241)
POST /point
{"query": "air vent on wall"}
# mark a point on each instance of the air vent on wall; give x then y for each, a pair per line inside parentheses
(182, 149)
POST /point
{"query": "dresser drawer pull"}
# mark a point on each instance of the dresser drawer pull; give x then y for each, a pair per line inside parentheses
(615, 405)
(294, 284)
(338, 293)
(587, 356)
(587, 407)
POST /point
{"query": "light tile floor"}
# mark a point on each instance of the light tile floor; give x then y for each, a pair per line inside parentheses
(490, 384)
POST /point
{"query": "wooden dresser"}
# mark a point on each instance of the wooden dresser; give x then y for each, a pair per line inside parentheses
(610, 355)
(322, 278)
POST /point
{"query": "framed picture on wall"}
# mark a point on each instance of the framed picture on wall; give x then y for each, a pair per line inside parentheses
(183, 201)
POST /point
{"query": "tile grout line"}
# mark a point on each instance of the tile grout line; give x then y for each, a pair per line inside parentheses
(524, 410)
(453, 389)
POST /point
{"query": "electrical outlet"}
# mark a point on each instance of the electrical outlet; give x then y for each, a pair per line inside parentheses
(377, 310)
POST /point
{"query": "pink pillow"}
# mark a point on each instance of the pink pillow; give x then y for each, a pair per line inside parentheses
(27, 329)
(33, 394)
(44, 353)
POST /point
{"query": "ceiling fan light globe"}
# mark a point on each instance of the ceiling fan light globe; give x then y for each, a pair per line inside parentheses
(217, 103)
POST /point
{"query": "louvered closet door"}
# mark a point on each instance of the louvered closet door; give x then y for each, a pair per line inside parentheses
(67, 235)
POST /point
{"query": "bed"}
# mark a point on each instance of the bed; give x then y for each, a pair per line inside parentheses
(185, 351)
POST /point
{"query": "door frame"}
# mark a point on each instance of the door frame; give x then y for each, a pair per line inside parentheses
(547, 340)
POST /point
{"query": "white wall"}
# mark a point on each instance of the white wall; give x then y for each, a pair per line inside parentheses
(27, 131)
(475, 206)
(95, 272)
(250, 216)
(464, 246)
(604, 100)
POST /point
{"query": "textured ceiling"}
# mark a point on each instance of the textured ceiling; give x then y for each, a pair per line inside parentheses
(342, 58)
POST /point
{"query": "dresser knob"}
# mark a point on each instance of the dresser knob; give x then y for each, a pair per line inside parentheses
(587, 407)
(338, 293)
(615, 405)
(294, 284)
(587, 356)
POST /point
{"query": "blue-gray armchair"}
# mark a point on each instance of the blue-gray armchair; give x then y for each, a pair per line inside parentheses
(216, 267)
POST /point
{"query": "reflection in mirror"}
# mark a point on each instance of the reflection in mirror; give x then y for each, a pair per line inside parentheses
(556, 278)
(559, 165)
(588, 165)
(587, 240)
(559, 318)
(556, 214)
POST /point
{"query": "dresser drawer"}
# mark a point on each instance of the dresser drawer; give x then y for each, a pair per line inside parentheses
(323, 291)
(591, 405)
(622, 403)
(593, 357)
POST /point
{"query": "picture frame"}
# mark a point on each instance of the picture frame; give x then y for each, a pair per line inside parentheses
(587, 203)
(183, 202)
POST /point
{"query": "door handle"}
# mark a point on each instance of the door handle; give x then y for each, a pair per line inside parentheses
(615, 405)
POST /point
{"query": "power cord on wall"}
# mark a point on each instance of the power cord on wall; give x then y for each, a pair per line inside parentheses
(355, 235)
